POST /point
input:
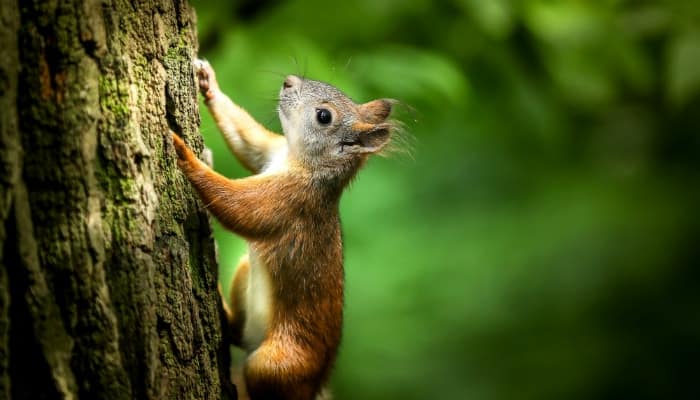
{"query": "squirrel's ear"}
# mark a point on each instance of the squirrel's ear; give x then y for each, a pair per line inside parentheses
(370, 138)
(376, 111)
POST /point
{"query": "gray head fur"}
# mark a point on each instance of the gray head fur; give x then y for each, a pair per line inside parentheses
(326, 131)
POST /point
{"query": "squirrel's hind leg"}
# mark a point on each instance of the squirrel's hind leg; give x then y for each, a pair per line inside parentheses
(236, 313)
(281, 369)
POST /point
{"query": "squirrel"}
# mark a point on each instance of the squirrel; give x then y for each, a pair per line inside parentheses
(286, 305)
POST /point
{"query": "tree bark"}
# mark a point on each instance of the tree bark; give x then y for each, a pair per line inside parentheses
(108, 282)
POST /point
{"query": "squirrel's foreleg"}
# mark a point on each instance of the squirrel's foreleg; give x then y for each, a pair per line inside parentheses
(252, 144)
(245, 206)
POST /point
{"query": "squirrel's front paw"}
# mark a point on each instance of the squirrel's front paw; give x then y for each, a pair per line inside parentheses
(206, 79)
(185, 157)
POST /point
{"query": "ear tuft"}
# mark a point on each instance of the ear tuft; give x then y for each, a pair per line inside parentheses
(376, 111)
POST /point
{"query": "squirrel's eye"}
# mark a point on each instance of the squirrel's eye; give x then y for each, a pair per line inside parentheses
(323, 116)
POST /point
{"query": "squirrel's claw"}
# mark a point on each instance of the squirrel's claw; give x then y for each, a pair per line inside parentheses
(205, 78)
(183, 152)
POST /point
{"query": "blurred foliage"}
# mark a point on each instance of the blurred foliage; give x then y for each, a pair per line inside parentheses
(543, 242)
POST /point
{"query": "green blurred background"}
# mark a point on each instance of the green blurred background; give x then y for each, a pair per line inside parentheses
(543, 240)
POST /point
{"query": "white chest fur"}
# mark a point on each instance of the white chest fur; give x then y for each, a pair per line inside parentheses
(258, 304)
(258, 295)
(278, 161)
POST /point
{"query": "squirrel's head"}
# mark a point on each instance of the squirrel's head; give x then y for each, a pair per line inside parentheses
(325, 129)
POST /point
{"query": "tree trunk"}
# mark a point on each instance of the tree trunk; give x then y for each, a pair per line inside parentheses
(108, 282)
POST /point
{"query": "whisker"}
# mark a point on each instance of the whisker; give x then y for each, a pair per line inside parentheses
(306, 66)
(347, 64)
(296, 65)
(271, 119)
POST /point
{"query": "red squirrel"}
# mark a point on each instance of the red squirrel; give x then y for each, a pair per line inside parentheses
(287, 294)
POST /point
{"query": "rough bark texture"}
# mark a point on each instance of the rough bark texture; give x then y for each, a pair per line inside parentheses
(108, 278)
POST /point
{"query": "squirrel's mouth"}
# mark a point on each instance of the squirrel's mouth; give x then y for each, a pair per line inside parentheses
(283, 106)
(283, 112)
(285, 102)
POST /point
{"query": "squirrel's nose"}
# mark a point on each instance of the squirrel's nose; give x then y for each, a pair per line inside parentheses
(290, 82)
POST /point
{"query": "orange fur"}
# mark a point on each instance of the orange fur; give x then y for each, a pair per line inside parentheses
(239, 285)
(273, 212)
